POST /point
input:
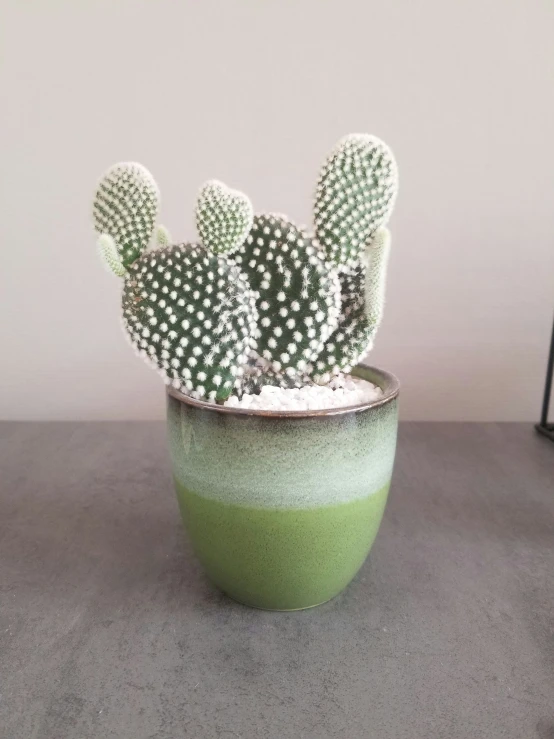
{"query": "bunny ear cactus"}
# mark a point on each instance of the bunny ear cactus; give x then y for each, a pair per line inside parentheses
(259, 301)
(125, 208)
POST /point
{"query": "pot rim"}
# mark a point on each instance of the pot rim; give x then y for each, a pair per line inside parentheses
(391, 388)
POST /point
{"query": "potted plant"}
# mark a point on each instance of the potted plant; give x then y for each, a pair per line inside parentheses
(282, 443)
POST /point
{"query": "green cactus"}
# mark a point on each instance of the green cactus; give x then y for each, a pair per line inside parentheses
(298, 293)
(223, 217)
(125, 207)
(260, 301)
(355, 195)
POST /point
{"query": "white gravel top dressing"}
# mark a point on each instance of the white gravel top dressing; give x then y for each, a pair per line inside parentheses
(341, 392)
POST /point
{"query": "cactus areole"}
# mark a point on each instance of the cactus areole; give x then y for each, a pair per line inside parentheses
(256, 298)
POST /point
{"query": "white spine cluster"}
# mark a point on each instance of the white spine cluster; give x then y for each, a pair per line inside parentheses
(223, 217)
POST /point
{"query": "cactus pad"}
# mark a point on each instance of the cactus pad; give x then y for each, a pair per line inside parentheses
(223, 217)
(163, 237)
(375, 259)
(354, 335)
(192, 315)
(298, 292)
(110, 256)
(354, 196)
(125, 207)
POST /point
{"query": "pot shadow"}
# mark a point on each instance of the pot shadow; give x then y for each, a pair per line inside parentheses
(545, 728)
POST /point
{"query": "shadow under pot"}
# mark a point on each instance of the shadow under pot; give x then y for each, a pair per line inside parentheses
(283, 508)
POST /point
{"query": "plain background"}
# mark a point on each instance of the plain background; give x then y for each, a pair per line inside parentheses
(256, 93)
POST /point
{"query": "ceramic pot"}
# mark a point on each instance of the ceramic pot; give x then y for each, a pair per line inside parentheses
(282, 508)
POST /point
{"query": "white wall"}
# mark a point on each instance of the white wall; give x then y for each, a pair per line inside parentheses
(255, 92)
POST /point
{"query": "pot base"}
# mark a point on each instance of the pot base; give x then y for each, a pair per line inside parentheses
(281, 559)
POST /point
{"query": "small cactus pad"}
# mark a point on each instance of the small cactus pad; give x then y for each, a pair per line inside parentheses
(126, 207)
(163, 237)
(110, 256)
(298, 292)
(193, 316)
(223, 217)
(354, 335)
(354, 196)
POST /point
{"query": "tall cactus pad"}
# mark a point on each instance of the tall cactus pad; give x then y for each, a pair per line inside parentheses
(192, 315)
(354, 196)
(298, 293)
(125, 207)
(223, 217)
(375, 259)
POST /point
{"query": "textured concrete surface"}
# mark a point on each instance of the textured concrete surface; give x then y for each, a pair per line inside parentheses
(109, 629)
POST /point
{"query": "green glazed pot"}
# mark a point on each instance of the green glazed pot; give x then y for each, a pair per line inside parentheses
(282, 508)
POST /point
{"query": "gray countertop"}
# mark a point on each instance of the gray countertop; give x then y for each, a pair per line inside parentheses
(109, 629)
